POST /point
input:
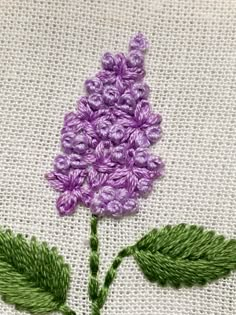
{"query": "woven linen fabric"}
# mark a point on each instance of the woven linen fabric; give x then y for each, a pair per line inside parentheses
(47, 50)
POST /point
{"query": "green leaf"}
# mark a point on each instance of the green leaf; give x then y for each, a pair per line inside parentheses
(184, 255)
(32, 277)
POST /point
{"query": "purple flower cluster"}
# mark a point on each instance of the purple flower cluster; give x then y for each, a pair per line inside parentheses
(106, 164)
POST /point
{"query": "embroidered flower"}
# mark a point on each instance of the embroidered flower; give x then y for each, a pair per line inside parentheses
(106, 165)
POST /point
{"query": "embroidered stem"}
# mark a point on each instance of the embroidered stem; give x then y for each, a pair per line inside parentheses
(94, 261)
(110, 277)
(99, 296)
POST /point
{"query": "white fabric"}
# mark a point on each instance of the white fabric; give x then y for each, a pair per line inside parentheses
(47, 50)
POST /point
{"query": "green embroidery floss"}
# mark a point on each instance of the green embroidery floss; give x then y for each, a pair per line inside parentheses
(35, 278)
(98, 296)
(185, 255)
(110, 276)
(177, 256)
(32, 277)
(94, 261)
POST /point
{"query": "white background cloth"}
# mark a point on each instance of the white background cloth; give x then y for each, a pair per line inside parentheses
(47, 50)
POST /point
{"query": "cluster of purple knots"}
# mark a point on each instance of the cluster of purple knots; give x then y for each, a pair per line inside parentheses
(106, 164)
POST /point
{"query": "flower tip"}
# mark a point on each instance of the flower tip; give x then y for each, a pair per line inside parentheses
(138, 42)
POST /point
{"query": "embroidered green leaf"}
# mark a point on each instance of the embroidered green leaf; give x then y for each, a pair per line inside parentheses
(184, 255)
(32, 277)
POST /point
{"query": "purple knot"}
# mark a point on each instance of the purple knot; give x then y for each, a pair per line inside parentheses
(135, 59)
(110, 95)
(122, 194)
(138, 42)
(61, 163)
(106, 194)
(95, 101)
(117, 133)
(76, 161)
(155, 163)
(153, 133)
(67, 141)
(67, 203)
(144, 185)
(140, 91)
(80, 144)
(98, 207)
(131, 206)
(108, 61)
(141, 140)
(141, 157)
(103, 128)
(118, 154)
(127, 103)
(93, 85)
(114, 208)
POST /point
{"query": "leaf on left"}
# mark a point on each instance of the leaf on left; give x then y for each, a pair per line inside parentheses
(32, 277)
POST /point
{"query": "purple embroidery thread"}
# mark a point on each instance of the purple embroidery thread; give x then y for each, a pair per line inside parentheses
(106, 164)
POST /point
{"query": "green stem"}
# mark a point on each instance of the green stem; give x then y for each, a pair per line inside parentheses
(99, 296)
(94, 261)
(110, 277)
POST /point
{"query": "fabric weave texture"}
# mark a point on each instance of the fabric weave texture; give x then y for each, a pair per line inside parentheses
(48, 49)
